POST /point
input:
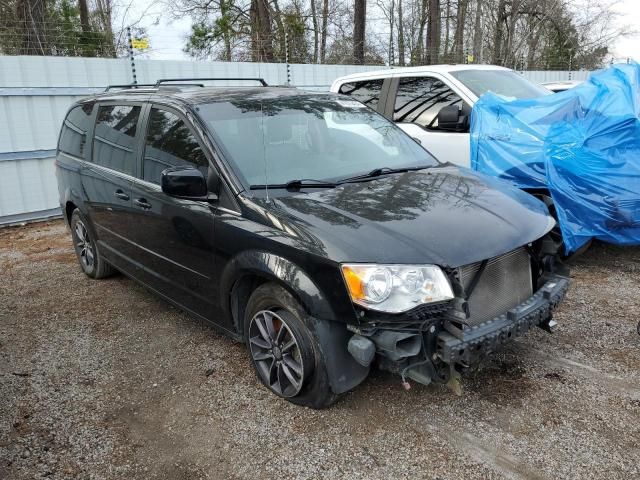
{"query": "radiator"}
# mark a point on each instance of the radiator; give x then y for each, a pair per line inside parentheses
(505, 282)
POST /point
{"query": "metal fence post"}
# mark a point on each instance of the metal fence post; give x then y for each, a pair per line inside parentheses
(570, 66)
(286, 57)
(133, 63)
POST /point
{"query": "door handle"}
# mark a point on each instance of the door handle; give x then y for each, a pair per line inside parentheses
(141, 202)
(121, 195)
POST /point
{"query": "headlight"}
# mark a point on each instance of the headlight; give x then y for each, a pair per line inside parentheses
(395, 288)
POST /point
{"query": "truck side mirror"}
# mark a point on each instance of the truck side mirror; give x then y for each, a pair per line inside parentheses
(452, 119)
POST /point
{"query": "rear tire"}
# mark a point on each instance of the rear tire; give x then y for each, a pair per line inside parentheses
(89, 257)
(283, 350)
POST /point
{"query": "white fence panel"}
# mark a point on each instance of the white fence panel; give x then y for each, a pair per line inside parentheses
(541, 76)
(35, 93)
(27, 189)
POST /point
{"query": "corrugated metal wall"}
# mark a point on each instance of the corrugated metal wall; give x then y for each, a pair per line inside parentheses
(35, 93)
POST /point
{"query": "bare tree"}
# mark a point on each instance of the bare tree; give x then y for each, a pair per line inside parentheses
(31, 15)
(458, 37)
(316, 31)
(477, 32)
(323, 33)
(433, 32)
(262, 46)
(501, 15)
(359, 23)
(401, 51)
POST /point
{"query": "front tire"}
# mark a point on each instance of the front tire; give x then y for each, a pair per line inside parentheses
(91, 262)
(283, 350)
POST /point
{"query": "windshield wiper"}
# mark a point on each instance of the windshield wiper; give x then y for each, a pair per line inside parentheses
(376, 172)
(297, 184)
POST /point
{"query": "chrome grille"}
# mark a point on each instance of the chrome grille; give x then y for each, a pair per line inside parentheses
(504, 283)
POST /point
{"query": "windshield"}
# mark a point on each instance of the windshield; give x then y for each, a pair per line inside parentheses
(307, 137)
(502, 82)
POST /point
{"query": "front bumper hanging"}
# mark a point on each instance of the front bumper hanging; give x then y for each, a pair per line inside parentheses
(480, 340)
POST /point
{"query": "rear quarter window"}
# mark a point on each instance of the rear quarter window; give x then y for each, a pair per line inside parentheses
(367, 92)
(73, 135)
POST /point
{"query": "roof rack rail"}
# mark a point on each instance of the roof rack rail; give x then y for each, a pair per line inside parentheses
(129, 86)
(221, 79)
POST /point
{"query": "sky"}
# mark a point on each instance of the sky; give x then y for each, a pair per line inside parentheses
(629, 15)
(168, 36)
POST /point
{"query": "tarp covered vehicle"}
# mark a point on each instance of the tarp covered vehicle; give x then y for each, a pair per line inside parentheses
(582, 146)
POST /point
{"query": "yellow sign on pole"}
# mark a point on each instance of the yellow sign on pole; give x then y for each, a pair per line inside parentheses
(140, 43)
(469, 58)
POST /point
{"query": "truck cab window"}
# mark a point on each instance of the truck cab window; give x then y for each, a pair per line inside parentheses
(419, 100)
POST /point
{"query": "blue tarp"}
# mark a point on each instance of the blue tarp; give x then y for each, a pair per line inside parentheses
(583, 145)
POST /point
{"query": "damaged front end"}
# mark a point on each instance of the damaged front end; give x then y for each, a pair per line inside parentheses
(495, 301)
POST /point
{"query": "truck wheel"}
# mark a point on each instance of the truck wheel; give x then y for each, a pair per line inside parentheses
(91, 262)
(283, 350)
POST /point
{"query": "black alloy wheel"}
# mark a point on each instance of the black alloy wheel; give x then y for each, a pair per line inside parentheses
(84, 246)
(276, 352)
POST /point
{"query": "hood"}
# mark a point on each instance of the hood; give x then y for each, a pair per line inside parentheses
(443, 215)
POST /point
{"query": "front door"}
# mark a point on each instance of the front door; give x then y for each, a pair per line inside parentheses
(174, 237)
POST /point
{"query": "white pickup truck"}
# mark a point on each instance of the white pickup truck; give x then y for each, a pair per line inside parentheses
(433, 103)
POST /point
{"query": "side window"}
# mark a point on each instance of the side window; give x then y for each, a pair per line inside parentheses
(73, 136)
(114, 139)
(170, 143)
(367, 92)
(420, 99)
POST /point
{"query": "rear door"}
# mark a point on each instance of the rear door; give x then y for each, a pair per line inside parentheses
(174, 238)
(107, 179)
(414, 103)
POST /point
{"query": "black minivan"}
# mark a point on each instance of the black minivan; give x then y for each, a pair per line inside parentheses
(309, 227)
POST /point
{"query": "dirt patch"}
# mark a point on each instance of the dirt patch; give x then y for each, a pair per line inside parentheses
(102, 380)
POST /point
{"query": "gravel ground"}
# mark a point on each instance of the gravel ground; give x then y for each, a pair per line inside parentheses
(100, 379)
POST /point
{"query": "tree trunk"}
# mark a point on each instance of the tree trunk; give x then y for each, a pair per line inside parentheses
(400, 35)
(446, 30)
(323, 36)
(417, 56)
(391, 24)
(359, 17)
(30, 14)
(458, 37)
(225, 10)
(103, 11)
(314, 18)
(477, 33)
(510, 55)
(499, 33)
(84, 16)
(433, 32)
(262, 48)
(277, 15)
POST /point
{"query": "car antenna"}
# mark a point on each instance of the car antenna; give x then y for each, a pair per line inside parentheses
(264, 154)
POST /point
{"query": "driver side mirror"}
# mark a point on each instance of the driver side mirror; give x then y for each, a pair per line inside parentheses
(185, 182)
(452, 119)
